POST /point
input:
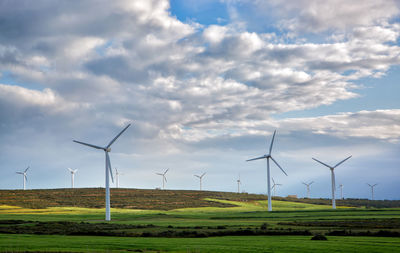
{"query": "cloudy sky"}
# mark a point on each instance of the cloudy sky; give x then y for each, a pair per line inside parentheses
(204, 85)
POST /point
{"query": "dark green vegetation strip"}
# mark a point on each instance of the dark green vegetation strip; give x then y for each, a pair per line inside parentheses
(235, 244)
(120, 198)
(127, 230)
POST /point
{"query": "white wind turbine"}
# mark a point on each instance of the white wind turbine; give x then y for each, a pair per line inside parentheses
(341, 191)
(372, 190)
(274, 185)
(308, 188)
(332, 178)
(108, 168)
(72, 176)
(164, 178)
(200, 178)
(24, 177)
(239, 183)
(268, 156)
(117, 173)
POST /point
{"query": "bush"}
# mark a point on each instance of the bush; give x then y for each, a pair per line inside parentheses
(264, 226)
(319, 238)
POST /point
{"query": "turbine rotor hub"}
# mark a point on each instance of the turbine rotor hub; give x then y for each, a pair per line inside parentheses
(108, 150)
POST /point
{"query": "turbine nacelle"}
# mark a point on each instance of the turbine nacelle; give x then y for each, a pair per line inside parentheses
(107, 149)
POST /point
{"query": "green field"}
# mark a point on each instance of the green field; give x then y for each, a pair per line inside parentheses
(218, 222)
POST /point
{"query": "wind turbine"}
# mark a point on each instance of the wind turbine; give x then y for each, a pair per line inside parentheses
(372, 190)
(332, 178)
(164, 179)
(24, 178)
(268, 156)
(308, 188)
(239, 183)
(274, 185)
(117, 173)
(108, 169)
(72, 176)
(341, 191)
(200, 177)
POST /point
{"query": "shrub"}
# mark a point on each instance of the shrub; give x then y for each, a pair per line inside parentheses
(264, 226)
(319, 237)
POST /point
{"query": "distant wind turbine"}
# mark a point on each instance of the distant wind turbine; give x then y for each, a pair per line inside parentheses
(117, 173)
(341, 191)
(308, 188)
(274, 185)
(372, 190)
(24, 177)
(72, 176)
(332, 178)
(108, 169)
(164, 178)
(239, 183)
(200, 178)
(268, 156)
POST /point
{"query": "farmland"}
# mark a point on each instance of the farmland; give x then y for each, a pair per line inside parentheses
(191, 221)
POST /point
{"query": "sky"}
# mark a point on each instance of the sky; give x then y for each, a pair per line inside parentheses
(204, 85)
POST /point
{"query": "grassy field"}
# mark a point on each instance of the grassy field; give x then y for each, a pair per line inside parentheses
(227, 222)
(54, 243)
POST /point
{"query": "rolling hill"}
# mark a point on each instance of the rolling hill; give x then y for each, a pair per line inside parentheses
(154, 199)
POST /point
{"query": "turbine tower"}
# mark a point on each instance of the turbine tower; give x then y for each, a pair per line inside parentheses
(24, 177)
(372, 190)
(117, 173)
(268, 156)
(332, 178)
(341, 191)
(239, 183)
(308, 188)
(164, 179)
(72, 176)
(108, 168)
(274, 185)
(201, 178)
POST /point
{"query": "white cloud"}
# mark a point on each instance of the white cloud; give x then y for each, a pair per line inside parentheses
(186, 85)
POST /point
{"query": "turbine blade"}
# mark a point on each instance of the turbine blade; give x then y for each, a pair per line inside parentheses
(166, 171)
(69, 169)
(272, 142)
(160, 174)
(311, 182)
(273, 181)
(116, 137)
(203, 174)
(342, 161)
(322, 163)
(375, 185)
(19, 173)
(197, 176)
(165, 178)
(75, 170)
(278, 165)
(109, 167)
(26, 178)
(369, 185)
(303, 183)
(26, 169)
(87, 144)
(261, 157)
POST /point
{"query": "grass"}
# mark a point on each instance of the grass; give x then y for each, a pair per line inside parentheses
(21, 243)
